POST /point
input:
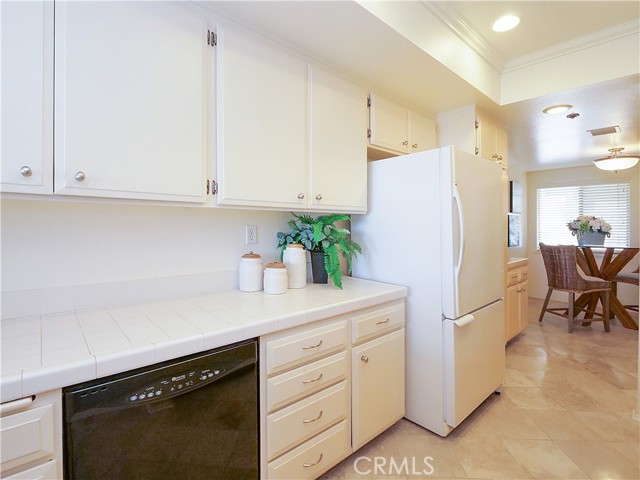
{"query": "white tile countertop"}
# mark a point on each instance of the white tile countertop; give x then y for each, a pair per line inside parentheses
(45, 352)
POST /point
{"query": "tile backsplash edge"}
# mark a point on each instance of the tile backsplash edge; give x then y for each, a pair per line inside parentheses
(44, 301)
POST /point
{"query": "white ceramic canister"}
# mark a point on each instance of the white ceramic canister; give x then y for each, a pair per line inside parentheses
(295, 258)
(275, 278)
(250, 272)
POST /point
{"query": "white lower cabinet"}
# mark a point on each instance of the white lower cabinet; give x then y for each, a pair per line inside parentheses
(31, 437)
(378, 386)
(315, 387)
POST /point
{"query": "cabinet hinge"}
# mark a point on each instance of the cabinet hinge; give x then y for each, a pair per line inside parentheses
(369, 101)
(214, 187)
(476, 124)
(207, 187)
(477, 150)
(368, 133)
(212, 38)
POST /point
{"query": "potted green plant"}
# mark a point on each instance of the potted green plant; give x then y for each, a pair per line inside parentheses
(590, 230)
(325, 242)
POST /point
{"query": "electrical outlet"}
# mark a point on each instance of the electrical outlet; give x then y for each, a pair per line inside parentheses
(251, 234)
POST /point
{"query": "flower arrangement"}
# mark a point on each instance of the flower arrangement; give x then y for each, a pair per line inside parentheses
(588, 224)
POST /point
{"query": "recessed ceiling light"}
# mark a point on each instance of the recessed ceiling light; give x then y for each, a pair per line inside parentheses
(505, 23)
(557, 108)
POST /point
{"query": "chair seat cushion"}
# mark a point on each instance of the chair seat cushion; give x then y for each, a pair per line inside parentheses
(627, 277)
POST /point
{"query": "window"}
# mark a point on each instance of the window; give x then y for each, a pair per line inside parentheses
(557, 206)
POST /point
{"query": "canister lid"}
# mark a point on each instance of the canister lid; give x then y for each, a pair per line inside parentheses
(250, 255)
(295, 245)
(275, 265)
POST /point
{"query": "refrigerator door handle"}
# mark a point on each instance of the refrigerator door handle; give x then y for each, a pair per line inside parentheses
(464, 320)
(456, 197)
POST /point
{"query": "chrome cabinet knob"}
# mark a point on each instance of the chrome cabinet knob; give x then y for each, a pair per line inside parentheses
(25, 171)
(80, 176)
(406, 142)
(415, 145)
(364, 358)
(319, 196)
(301, 196)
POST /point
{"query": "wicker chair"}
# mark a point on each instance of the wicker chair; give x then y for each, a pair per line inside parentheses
(626, 277)
(563, 275)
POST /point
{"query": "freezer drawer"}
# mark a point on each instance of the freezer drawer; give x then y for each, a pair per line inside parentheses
(474, 360)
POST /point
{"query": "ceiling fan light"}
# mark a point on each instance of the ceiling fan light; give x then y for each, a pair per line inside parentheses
(614, 162)
(505, 23)
(553, 109)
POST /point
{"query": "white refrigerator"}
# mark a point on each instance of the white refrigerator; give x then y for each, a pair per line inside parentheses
(435, 224)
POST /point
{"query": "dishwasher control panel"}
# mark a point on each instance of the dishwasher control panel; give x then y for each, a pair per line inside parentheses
(175, 385)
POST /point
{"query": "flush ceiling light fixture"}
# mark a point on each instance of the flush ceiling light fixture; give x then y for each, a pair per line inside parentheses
(615, 162)
(505, 23)
(553, 109)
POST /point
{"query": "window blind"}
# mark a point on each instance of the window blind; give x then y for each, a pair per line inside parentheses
(557, 206)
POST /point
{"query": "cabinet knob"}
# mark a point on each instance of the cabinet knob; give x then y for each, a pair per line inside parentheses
(406, 142)
(415, 145)
(364, 358)
(301, 196)
(80, 176)
(25, 171)
(319, 196)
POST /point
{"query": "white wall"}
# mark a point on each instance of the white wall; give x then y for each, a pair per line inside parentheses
(49, 244)
(576, 176)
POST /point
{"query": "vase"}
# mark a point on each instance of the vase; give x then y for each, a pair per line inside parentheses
(318, 271)
(591, 238)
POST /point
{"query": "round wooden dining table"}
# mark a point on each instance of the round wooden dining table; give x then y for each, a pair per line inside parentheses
(613, 261)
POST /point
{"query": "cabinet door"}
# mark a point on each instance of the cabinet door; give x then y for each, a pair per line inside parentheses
(502, 146)
(423, 134)
(27, 97)
(512, 320)
(523, 303)
(262, 126)
(130, 94)
(389, 124)
(378, 386)
(487, 130)
(338, 173)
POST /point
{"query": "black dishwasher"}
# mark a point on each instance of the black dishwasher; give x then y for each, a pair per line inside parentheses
(195, 417)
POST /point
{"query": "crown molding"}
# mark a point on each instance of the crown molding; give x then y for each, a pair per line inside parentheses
(465, 31)
(575, 45)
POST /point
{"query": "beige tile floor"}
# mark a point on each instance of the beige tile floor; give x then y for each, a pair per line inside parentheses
(564, 413)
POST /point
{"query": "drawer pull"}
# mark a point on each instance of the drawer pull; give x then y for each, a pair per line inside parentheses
(524, 274)
(307, 465)
(307, 420)
(313, 380)
(364, 358)
(382, 322)
(313, 346)
(16, 405)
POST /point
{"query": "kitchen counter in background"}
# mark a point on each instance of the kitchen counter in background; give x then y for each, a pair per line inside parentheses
(517, 262)
(45, 352)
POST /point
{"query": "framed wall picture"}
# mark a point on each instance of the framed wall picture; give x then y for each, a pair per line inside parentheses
(515, 197)
(515, 233)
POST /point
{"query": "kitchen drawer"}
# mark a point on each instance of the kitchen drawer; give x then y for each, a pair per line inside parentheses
(305, 344)
(375, 322)
(298, 422)
(26, 436)
(313, 458)
(46, 471)
(294, 385)
(517, 275)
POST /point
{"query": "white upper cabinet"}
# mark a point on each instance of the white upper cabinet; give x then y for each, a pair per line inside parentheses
(389, 124)
(261, 123)
(338, 159)
(27, 97)
(130, 100)
(395, 128)
(422, 131)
